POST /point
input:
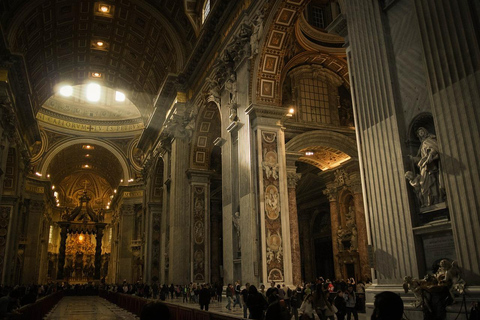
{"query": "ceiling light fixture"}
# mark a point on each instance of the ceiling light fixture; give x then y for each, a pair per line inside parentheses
(104, 9)
(96, 74)
(38, 174)
(309, 153)
(66, 91)
(93, 92)
(100, 43)
(119, 96)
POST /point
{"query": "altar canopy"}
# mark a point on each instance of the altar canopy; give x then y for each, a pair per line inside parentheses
(80, 255)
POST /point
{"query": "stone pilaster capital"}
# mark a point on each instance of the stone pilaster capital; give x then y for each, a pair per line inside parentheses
(293, 178)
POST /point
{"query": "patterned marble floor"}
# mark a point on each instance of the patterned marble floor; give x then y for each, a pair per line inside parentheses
(96, 308)
(91, 308)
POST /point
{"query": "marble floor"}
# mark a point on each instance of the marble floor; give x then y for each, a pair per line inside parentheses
(96, 308)
(91, 308)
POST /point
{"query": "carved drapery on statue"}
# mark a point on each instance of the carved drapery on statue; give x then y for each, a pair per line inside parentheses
(80, 254)
(273, 216)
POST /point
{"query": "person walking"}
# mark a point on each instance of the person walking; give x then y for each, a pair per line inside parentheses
(237, 291)
(229, 294)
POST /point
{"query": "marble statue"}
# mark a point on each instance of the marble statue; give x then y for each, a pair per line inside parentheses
(354, 239)
(428, 162)
(350, 217)
(340, 235)
(257, 32)
(236, 224)
(415, 182)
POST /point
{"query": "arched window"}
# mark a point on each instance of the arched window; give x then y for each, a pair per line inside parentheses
(206, 10)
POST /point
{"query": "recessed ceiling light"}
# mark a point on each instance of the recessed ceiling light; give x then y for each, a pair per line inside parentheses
(119, 96)
(66, 91)
(104, 8)
(87, 155)
(309, 153)
(88, 147)
(38, 174)
(93, 92)
(96, 74)
(100, 43)
(85, 166)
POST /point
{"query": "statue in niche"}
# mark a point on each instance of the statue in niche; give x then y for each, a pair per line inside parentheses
(354, 239)
(257, 32)
(236, 224)
(350, 217)
(428, 162)
(415, 182)
(213, 88)
(340, 235)
(231, 87)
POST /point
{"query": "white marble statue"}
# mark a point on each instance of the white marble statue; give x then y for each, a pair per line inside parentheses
(428, 162)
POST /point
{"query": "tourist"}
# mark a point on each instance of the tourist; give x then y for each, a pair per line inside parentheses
(351, 301)
(229, 294)
(341, 305)
(387, 306)
(256, 303)
(204, 297)
(306, 309)
(244, 298)
(237, 294)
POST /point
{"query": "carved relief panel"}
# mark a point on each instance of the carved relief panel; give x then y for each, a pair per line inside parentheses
(272, 210)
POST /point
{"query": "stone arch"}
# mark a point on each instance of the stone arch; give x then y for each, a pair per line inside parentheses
(207, 130)
(325, 138)
(279, 29)
(50, 155)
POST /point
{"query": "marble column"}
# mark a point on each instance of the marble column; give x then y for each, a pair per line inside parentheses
(292, 179)
(98, 252)
(450, 39)
(61, 252)
(179, 252)
(378, 121)
(307, 248)
(332, 194)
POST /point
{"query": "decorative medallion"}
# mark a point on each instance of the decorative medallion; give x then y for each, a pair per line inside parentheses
(271, 202)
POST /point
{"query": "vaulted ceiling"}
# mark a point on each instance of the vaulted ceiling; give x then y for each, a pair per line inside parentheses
(141, 43)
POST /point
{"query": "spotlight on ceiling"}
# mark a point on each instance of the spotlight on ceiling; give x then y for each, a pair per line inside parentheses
(96, 75)
(100, 43)
(86, 166)
(93, 92)
(66, 91)
(104, 8)
(119, 96)
(309, 153)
